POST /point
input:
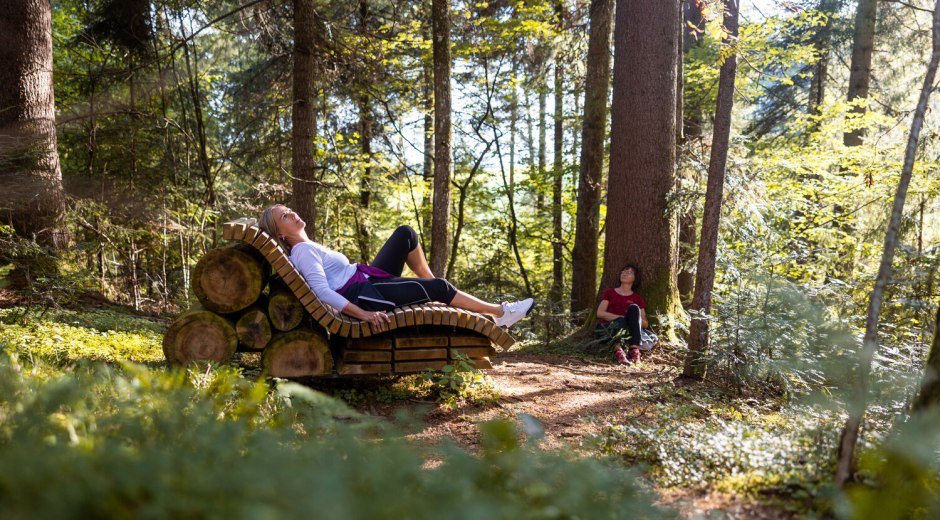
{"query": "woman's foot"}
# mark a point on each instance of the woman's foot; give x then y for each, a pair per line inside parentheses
(515, 311)
(634, 355)
(621, 357)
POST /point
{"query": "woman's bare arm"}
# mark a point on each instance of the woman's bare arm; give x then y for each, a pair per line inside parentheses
(602, 312)
(379, 320)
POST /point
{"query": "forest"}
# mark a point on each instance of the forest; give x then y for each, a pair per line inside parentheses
(770, 170)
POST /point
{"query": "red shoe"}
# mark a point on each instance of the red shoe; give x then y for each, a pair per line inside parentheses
(621, 357)
(634, 355)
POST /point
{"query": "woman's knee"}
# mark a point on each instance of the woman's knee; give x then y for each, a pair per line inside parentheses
(407, 233)
(633, 310)
(444, 290)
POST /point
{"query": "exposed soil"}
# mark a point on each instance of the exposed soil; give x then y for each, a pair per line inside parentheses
(573, 398)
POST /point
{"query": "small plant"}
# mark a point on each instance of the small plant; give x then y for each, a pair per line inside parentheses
(461, 381)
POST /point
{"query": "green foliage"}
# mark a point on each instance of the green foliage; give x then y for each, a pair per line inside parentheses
(135, 442)
(63, 337)
(732, 447)
(461, 382)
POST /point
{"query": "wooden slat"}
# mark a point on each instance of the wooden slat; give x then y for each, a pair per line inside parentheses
(463, 318)
(316, 309)
(251, 233)
(326, 320)
(366, 329)
(297, 285)
(238, 230)
(268, 248)
(475, 352)
(477, 323)
(452, 317)
(373, 343)
(307, 296)
(409, 316)
(420, 353)
(504, 340)
(228, 230)
(488, 327)
(262, 240)
(482, 363)
(367, 356)
(438, 316)
(344, 328)
(469, 341)
(352, 369)
(418, 366)
(429, 312)
(420, 341)
(334, 326)
(399, 317)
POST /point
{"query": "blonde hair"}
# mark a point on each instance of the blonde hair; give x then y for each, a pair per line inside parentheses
(268, 224)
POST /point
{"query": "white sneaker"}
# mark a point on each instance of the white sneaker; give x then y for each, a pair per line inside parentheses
(515, 311)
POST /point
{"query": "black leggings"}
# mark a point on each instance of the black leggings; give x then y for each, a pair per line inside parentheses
(629, 323)
(406, 291)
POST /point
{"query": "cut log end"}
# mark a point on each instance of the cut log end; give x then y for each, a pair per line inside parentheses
(253, 329)
(228, 279)
(285, 311)
(296, 354)
(199, 336)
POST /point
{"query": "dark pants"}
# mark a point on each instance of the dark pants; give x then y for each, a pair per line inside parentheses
(398, 291)
(625, 329)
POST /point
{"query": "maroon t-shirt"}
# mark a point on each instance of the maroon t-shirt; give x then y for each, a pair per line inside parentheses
(618, 303)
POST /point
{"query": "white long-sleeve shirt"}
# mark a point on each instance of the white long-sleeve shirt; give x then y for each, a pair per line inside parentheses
(324, 270)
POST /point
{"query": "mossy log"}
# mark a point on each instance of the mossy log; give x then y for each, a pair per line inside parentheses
(199, 336)
(297, 353)
(253, 329)
(285, 310)
(229, 279)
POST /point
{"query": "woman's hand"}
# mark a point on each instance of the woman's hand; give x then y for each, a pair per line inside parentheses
(379, 320)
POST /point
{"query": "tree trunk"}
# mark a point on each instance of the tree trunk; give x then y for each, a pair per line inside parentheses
(30, 175)
(303, 114)
(822, 38)
(365, 185)
(199, 336)
(556, 291)
(929, 395)
(229, 279)
(440, 219)
(845, 468)
(860, 74)
(428, 170)
(591, 170)
(693, 27)
(296, 354)
(643, 152)
(705, 270)
(542, 88)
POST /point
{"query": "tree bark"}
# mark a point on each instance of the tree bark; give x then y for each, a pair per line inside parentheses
(303, 114)
(428, 169)
(591, 170)
(556, 291)
(929, 395)
(822, 40)
(860, 74)
(708, 245)
(845, 468)
(365, 183)
(30, 175)
(640, 227)
(440, 219)
(693, 22)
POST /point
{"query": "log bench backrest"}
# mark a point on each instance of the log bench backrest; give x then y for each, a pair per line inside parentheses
(246, 230)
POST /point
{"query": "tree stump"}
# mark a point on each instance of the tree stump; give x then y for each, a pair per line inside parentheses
(253, 329)
(229, 279)
(297, 353)
(285, 310)
(199, 336)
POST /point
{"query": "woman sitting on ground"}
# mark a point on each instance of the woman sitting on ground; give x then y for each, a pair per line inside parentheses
(367, 292)
(622, 314)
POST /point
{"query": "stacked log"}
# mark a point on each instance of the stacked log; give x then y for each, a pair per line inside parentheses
(237, 314)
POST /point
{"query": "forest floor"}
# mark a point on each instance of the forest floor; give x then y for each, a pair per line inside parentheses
(575, 399)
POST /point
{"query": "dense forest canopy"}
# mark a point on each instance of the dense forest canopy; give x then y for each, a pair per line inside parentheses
(536, 146)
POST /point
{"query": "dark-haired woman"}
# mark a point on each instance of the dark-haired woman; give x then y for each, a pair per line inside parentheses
(622, 315)
(368, 292)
